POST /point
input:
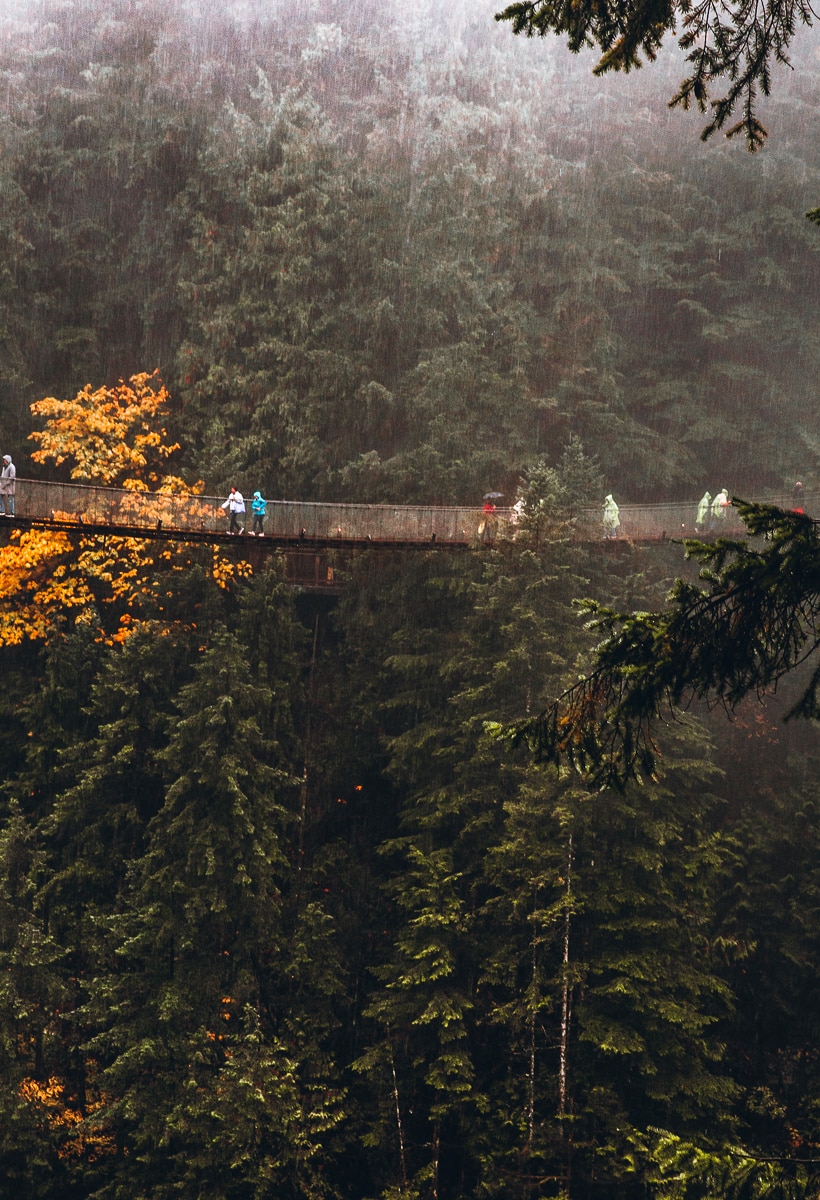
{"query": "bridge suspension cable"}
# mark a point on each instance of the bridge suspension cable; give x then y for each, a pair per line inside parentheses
(194, 518)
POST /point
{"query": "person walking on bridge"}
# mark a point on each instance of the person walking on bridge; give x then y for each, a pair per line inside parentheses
(235, 504)
(611, 518)
(259, 508)
(487, 528)
(702, 517)
(8, 485)
(720, 506)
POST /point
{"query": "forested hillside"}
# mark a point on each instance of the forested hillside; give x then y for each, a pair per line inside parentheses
(386, 252)
(280, 917)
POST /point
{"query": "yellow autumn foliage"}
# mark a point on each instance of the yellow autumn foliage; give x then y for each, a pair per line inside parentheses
(37, 580)
(109, 436)
(82, 1136)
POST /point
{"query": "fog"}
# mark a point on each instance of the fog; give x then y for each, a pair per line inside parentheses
(382, 250)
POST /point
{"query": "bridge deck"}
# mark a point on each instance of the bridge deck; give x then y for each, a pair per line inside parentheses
(293, 523)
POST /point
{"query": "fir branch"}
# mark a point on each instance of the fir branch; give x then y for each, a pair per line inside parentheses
(736, 43)
(753, 619)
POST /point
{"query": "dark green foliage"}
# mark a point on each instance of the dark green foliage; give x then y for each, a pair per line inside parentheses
(30, 997)
(280, 917)
(289, 921)
(752, 622)
(494, 866)
(410, 284)
(199, 1039)
(770, 917)
(683, 1171)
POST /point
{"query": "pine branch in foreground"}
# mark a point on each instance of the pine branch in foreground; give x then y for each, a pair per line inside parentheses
(734, 47)
(752, 618)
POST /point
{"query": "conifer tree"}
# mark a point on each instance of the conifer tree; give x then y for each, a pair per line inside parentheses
(208, 1087)
(30, 1000)
(751, 623)
(770, 921)
(539, 992)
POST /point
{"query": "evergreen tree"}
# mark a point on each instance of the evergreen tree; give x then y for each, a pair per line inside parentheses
(752, 623)
(209, 1088)
(540, 993)
(31, 995)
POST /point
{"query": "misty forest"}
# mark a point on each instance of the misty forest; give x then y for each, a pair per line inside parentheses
(287, 911)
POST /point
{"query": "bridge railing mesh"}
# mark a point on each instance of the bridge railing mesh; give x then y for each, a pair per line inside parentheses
(291, 519)
(651, 522)
(284, 518)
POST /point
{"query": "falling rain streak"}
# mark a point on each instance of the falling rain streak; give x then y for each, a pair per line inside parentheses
(285, 909)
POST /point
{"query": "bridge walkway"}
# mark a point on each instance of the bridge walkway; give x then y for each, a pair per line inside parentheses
(302, 524)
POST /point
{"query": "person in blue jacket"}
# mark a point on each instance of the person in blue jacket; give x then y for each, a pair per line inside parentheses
(259, 508)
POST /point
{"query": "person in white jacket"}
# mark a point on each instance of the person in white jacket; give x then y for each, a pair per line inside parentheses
(611, 516)
(235, 504)
(702, 516)
(720, 507)
(8, 485)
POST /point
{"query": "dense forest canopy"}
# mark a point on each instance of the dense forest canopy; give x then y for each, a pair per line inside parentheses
(381, 252)
(280, 917)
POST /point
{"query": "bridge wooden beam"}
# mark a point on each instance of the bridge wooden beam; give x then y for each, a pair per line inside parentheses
(244, 541)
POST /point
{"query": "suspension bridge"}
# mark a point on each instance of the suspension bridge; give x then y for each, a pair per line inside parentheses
(312, 525)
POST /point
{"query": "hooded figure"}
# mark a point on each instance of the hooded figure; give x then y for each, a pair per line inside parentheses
(8, 485)
(259, 507)
(703, 511)
(720, 504)
(612, 520)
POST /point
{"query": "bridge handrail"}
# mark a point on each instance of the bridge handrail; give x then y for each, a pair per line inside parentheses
(354, 521)
(95, 505)
(677, 519)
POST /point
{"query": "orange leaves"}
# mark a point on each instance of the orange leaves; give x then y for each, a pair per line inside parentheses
(108, 434)
(82, 1138)
(172, 485)
(46, 576)
(28, 558)
(225, 572)
(37, 580)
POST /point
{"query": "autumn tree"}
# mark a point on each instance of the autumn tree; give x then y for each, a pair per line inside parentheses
(50, 579)
(109, 435)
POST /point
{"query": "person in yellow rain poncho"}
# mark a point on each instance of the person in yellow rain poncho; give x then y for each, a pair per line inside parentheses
(702, 516)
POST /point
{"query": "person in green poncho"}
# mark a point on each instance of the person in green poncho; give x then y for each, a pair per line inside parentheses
(702, 517)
